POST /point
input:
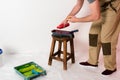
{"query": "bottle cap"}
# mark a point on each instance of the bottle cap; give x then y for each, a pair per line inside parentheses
(1, 51)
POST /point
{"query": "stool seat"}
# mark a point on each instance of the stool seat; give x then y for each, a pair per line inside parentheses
(62, 54)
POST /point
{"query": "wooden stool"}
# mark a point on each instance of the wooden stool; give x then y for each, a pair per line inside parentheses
(57, 55)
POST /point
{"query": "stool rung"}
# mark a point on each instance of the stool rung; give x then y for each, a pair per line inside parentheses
(56, 53)
(60, 59)
(67, 53)
(57, 58)
(69, 57)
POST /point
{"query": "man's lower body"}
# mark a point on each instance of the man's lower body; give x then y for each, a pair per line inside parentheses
(103, 35)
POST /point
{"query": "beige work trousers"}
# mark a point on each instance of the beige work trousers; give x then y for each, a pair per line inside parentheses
(104, 34)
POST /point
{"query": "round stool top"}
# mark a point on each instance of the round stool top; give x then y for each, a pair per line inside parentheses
(63, 33)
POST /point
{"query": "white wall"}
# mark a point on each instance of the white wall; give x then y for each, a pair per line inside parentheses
(25, 25)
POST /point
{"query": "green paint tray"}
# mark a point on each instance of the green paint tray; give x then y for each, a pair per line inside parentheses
(30, 70)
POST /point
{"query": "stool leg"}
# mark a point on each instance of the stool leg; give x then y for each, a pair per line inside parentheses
(65, 55)
(59, 49)
(51, 51)
(72, 51)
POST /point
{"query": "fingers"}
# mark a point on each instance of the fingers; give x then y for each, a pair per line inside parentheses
(69, 17)
(64, 22)
(72, 19)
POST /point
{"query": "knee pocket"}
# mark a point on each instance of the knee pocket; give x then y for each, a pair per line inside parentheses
(93, 39)
(106, 47)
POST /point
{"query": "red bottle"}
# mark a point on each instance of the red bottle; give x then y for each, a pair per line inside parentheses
(63, 25)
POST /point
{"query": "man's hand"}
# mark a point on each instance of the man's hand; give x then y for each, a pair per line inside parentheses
(72, 19)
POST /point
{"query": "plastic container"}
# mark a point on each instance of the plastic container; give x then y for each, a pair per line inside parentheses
(30, 70)
(1, 56)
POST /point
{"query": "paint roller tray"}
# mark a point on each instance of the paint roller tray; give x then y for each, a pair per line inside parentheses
(30, 70)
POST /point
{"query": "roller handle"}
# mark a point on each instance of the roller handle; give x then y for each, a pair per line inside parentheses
(74, 31)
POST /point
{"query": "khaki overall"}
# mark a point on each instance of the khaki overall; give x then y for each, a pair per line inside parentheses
(104, 34)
